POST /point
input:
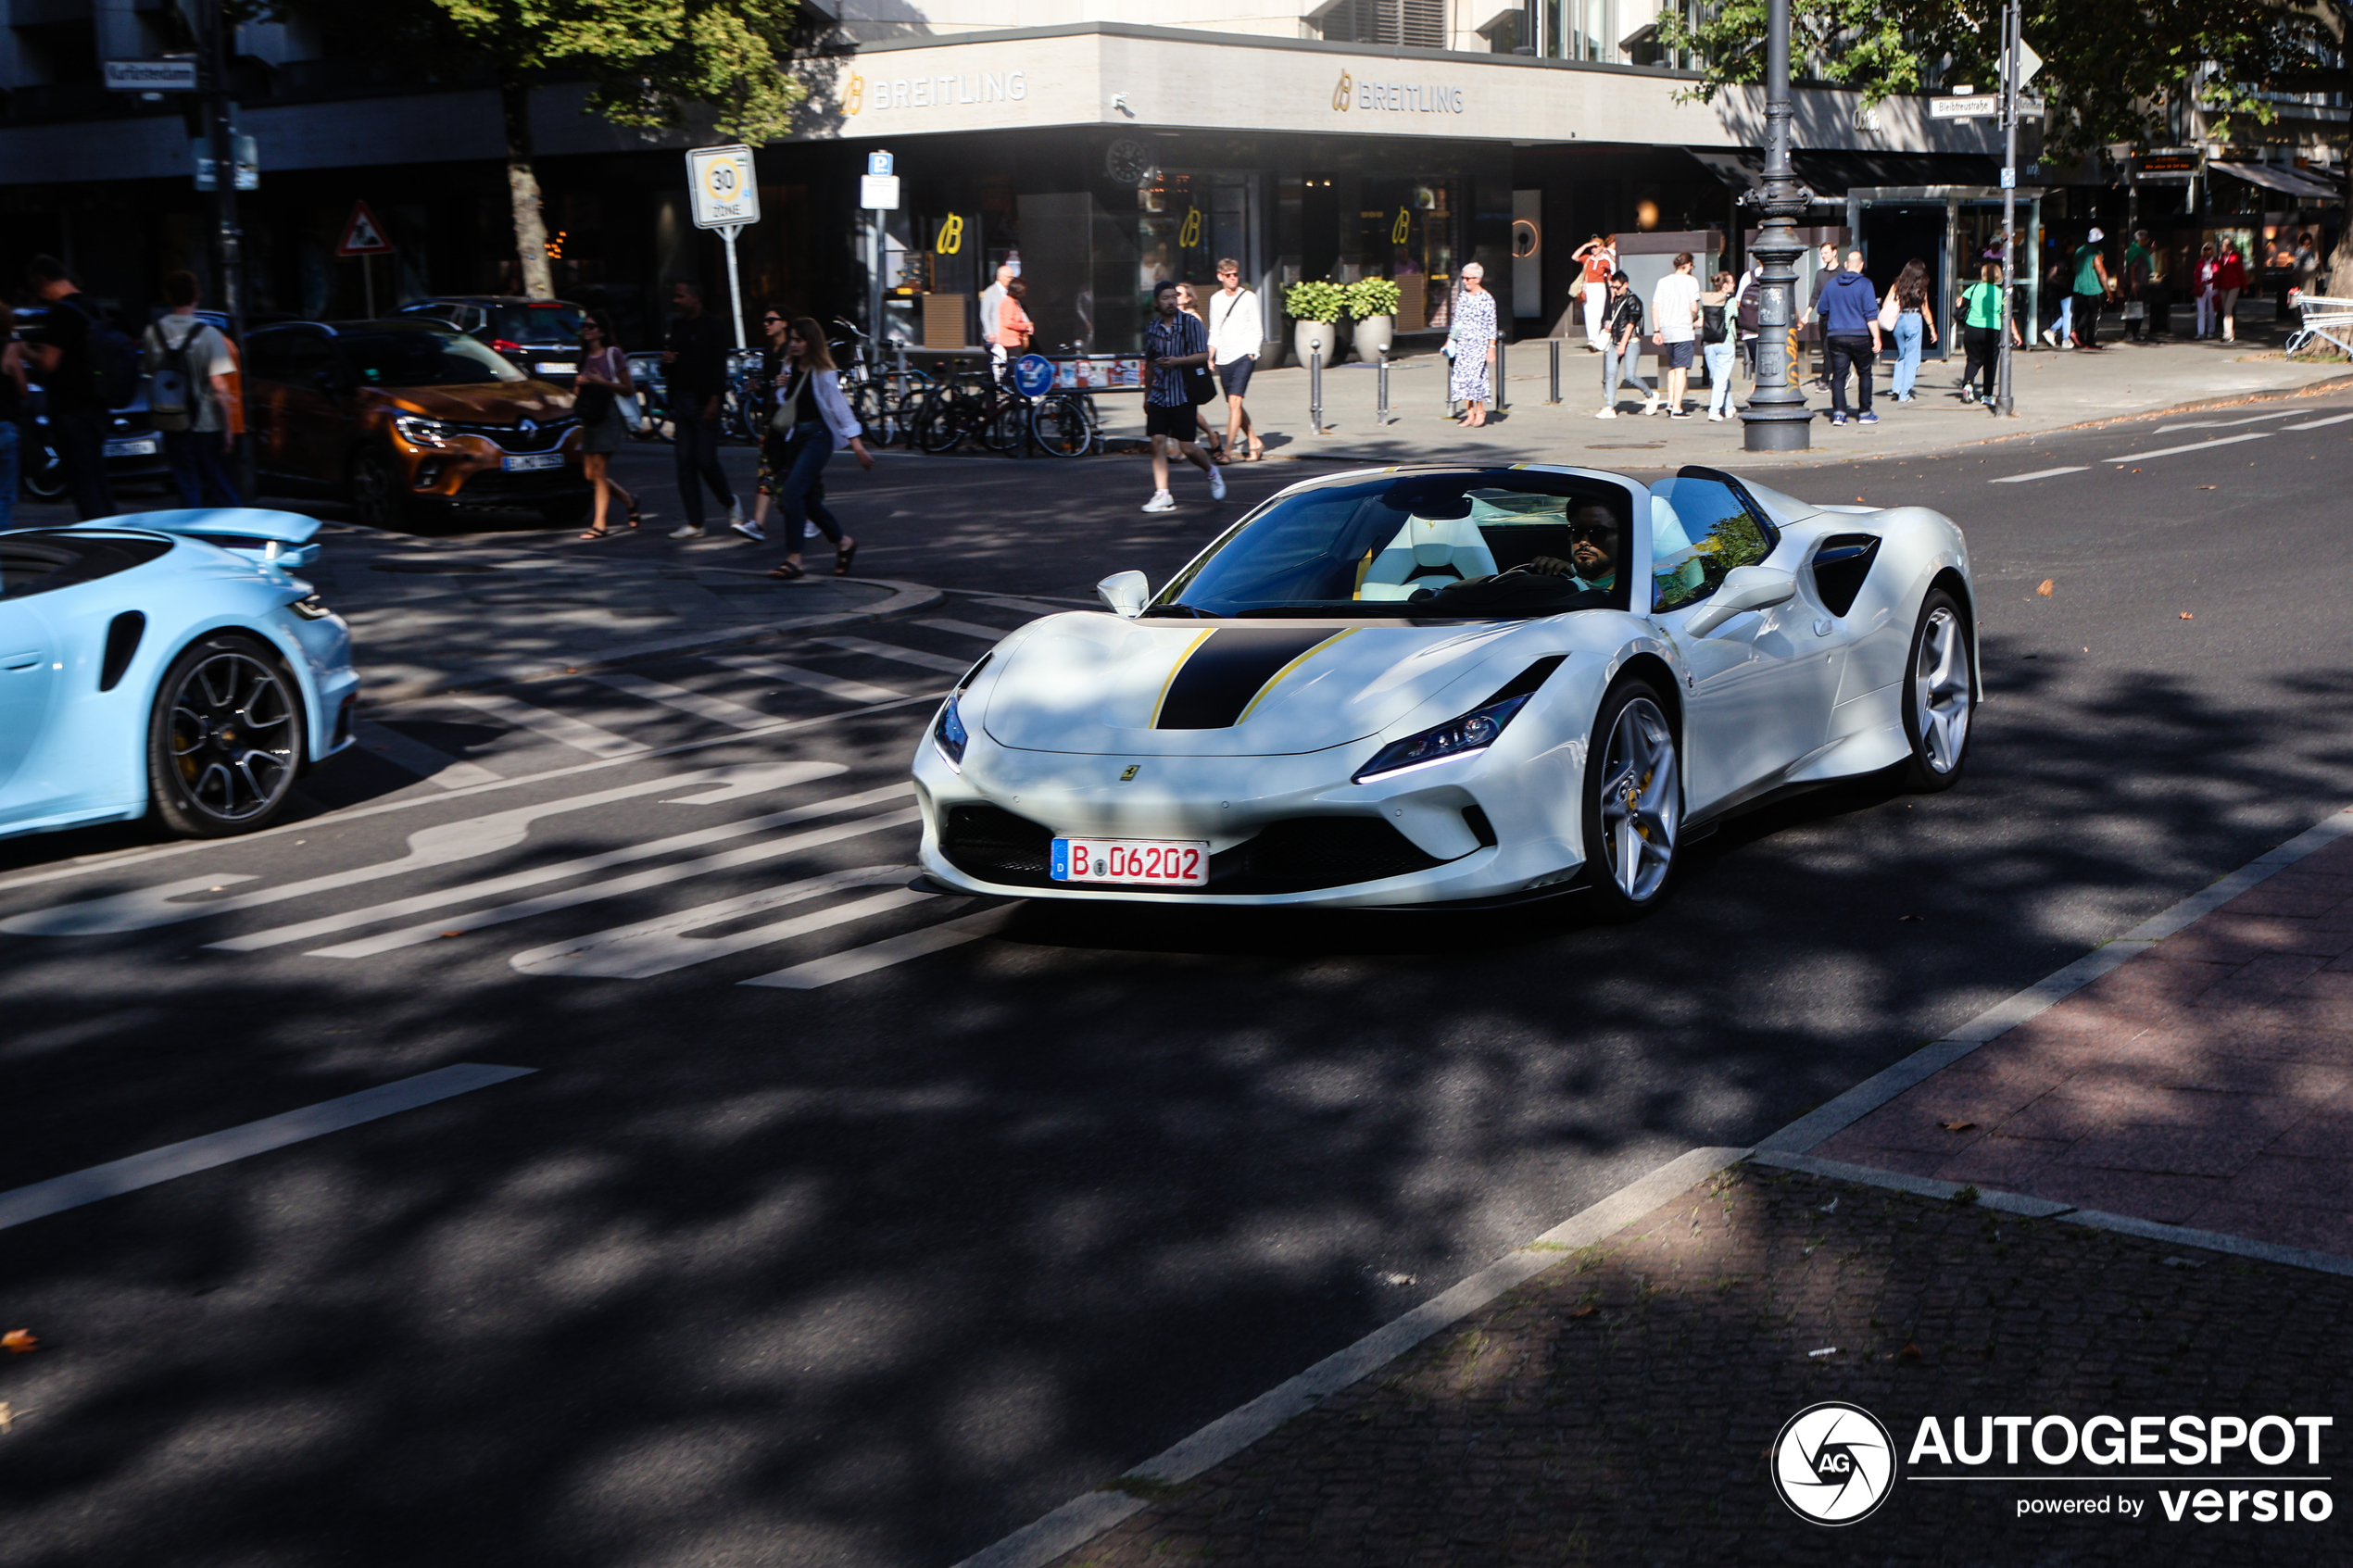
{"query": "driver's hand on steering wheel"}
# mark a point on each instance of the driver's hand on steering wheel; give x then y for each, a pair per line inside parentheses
(1551, 566)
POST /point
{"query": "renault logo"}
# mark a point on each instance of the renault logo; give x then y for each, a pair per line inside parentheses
(527, 426)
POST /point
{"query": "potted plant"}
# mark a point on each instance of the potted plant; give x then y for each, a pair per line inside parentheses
(1372, 305)
(1315, 310)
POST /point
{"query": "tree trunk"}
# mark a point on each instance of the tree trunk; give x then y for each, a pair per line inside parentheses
(522, 188)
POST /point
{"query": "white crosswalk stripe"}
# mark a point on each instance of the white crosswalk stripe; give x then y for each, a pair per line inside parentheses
(718, 709)
(816, 680)
(855, 961)
(905, 656)
(660, 945)
(576, 732)
(967, 629)
(427, 763)
(2316, 425)
(1033, 607)
(2038, 473)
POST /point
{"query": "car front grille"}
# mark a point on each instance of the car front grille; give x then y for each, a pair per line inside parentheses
(544, 437)
(1298, 855)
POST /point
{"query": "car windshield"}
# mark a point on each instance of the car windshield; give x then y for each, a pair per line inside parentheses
(1473, 543)
(421, 357)
(544, 321)
(1699, 530)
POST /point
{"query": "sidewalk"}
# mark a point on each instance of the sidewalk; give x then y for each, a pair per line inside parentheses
(1619, 1406)
(2053, 390)
(441, 615)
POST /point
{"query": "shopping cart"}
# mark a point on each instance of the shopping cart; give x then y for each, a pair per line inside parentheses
(2325, 319)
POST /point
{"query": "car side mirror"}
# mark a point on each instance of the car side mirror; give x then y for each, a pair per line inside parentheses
(1125, 593)
(1744, 588)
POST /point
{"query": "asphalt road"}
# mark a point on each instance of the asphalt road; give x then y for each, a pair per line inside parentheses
(802, 1244)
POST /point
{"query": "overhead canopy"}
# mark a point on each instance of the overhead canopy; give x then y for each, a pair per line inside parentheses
(2290, 182)
(1830, 175)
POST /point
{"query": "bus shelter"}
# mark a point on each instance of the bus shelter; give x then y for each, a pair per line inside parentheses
(1952, 227)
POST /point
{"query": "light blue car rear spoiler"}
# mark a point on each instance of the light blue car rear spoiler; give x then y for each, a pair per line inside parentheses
(271, 538)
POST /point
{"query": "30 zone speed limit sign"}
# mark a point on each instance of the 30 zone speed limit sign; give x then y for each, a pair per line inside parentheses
(725, 190)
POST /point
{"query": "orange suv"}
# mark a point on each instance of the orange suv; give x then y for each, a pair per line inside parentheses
(407, 419)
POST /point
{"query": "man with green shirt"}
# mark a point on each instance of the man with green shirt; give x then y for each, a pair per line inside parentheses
(2092, 285)
(2140, 277)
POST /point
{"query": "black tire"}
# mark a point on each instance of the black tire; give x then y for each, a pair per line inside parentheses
(940, 426)
(378, 497)
(1063, 426)
(1940, 695)
(44, 476)
(1633, 803)
(225, 739)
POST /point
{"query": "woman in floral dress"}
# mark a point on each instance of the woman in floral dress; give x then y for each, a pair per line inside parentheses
(1474, 338)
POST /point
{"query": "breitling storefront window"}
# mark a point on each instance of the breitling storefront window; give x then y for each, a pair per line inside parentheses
(1186, 220)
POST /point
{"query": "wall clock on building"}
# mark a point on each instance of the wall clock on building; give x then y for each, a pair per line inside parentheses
(1129, 161)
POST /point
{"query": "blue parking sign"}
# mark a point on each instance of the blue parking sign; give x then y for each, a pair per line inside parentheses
(1033, 373)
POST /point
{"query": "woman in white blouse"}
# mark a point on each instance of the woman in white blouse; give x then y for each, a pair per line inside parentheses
(811, 423)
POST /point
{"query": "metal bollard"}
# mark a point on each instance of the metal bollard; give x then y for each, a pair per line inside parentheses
(1380, 413)
(1500, 377)
(1315, 391)
(1556, 372)
(901, 346)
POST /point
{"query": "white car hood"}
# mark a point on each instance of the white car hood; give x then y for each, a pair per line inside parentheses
(1103, 685)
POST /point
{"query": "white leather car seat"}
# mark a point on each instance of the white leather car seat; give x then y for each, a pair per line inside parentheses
(1428, 552)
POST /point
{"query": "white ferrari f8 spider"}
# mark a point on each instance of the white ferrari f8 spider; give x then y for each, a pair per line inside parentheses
(1454, 685)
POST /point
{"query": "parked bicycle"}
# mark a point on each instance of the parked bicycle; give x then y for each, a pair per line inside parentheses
(973, 405)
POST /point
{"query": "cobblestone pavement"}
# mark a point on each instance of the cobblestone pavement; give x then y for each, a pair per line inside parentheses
(1620, 1408)
(2206, 1083)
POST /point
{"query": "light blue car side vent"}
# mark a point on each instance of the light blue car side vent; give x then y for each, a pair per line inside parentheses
(122, 645)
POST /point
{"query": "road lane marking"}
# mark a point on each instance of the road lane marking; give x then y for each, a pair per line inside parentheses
(2038, 473)
(1035, 607)
(442, 843)
(116, 859)
(945, 665)
(118, 1177)
(655, 947)
(855, 961)
(990, 634)
(816, 680)
(476, 919)
(344, 920)
(2194, 447)
(718, 709)
(430, 763)
(2225, 425)
(578, 734)
(2315, 424)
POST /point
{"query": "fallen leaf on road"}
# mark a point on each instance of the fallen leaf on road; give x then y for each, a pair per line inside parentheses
(2044, 587)
(2187, 616)
(1829, 1208)
(453, 934)
(1587, 1310)
(18, 1341)
(2206, 487)
(1958, 1126)
(1909, 1354)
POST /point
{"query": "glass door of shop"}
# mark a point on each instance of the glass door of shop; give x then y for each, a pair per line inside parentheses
(1408, 231)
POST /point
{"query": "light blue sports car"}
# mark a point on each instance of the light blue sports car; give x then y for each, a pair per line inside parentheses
(166, 661)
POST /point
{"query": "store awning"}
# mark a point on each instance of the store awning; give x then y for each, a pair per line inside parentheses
(1830, 175)
(2289, 181)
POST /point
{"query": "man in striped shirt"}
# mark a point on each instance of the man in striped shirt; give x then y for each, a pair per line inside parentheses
(1172, 344)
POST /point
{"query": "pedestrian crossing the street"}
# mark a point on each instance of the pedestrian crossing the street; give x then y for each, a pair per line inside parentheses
(620, 877)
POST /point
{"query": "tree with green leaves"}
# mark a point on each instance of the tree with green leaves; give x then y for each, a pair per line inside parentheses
(650, 63)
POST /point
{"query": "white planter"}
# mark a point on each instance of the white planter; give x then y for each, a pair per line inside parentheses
(1374, 335)
(1310, 338)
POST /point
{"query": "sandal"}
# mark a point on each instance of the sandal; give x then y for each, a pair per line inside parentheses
(843, 558)
(596, 534)
(635, 518)
(784, 571)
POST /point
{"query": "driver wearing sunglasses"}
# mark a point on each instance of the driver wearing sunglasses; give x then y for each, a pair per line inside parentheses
(1593, 551)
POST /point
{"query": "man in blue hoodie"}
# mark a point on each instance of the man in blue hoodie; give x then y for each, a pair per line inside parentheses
(1850, 330)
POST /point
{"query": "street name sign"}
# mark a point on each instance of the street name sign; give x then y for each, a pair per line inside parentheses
(1980, 105)
(151, 76)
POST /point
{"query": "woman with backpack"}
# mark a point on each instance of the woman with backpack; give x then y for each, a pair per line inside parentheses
(1909, 313)
(602, 383)
(1716, 347)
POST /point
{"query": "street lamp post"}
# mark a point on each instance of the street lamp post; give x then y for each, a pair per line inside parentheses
(2011, 25)
(220, 133)
(1777, 419)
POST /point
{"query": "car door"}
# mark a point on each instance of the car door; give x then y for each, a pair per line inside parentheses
(1762, 683)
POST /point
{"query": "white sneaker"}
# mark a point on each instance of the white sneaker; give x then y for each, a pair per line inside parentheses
(1162, 501)
(687, 531)
(1714, 417)
(749, 529)
(1216, 484)
(1650, 405)
(1606, 414)
(735, 515)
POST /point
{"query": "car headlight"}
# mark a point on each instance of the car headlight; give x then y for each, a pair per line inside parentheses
(311, 607)
(948, 734)
(1473, 730)
(419, 430)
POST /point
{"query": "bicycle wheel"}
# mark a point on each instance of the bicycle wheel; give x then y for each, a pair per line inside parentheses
(941, 424)
(1007, 422)
(1063, 425)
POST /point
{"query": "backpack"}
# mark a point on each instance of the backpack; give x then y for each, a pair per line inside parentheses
(172, 392)
(113, 357)
(1711, 323)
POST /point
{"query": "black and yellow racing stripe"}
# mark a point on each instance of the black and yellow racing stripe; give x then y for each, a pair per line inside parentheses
(1223, 675)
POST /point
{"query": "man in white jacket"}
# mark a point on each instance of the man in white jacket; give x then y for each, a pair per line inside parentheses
(1236, 328)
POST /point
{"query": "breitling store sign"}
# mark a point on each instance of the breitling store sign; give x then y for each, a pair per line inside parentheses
(1142, 78)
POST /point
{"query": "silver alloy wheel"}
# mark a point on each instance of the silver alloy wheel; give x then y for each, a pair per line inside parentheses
(1940, 691)
(231, 734)
(1641, 800)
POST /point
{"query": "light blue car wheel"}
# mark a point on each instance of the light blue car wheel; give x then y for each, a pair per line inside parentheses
(225, 742)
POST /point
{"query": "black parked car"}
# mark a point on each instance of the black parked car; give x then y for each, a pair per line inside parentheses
(134, 451)
(542, 336)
